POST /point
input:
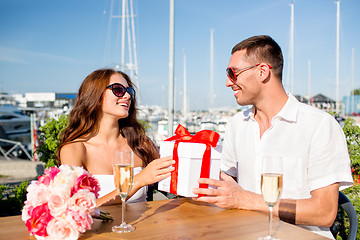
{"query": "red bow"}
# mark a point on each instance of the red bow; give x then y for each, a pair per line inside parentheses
(210, 138)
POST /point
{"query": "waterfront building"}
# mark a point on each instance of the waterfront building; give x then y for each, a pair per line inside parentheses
(320, 101)
(352, 105)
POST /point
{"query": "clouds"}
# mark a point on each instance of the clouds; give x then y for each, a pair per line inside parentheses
(20, 56)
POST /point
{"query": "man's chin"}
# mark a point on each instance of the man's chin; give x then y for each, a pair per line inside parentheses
(242, 102)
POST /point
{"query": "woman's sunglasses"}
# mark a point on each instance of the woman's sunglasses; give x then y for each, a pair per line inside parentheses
(119, 90)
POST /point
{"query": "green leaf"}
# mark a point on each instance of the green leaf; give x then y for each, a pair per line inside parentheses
(50, 139)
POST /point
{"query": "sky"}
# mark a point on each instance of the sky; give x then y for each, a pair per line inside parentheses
(52, 45)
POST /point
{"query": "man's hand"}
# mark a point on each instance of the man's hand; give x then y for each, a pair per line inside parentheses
(227, 195)
(319, 210)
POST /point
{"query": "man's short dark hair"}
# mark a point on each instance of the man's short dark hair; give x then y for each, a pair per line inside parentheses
(262, 48)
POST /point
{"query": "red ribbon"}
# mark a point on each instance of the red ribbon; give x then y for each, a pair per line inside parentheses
(210, 138)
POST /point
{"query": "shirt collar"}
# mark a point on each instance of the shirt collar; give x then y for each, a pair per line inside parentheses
(288, 112)
(249, 113)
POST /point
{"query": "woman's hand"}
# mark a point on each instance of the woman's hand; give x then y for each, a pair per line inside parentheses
(155, 171)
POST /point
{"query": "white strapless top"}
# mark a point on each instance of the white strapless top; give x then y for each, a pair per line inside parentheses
(107, 185)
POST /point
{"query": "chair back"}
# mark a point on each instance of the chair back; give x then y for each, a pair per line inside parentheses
(345, 203)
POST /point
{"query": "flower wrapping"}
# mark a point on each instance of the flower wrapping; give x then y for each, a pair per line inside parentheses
(195, 156)
(60, 203)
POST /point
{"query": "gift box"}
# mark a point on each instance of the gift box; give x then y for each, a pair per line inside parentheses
(194, 159)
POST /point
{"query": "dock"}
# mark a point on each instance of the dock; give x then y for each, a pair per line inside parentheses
(16, 170)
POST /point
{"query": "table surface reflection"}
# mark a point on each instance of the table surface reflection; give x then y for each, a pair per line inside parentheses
(176, 219)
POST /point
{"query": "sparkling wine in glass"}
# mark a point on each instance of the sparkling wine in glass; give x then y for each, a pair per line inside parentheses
(124, 180)
(271, 186)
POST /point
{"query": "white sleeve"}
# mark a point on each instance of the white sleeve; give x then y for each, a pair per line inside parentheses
(228, 155)
(328, 156)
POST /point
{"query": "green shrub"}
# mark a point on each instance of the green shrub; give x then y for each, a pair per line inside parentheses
(12, 199)
(50, 139)
(352, 134)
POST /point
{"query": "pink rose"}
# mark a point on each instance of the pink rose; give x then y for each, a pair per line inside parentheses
(37, 194)
(86, 182)
(83, 200)
(39, 218)
(25, 215)
(82, 220)
(57, 204)
(59, 228)
(49, 175)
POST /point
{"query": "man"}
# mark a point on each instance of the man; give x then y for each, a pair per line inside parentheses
(310, 141)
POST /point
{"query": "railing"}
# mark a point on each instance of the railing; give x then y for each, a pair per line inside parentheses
(16, 145)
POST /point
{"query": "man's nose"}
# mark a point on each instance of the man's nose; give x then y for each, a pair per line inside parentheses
(228, 83)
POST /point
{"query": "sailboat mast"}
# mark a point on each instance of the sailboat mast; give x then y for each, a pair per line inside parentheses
(353, 79)
(171, 69)
(136, 74)
(309, 83)
(185, 90)
(337, 53)
(123, 36)
(124, 15)
(130, 64)
(212, 68)
(292, 48)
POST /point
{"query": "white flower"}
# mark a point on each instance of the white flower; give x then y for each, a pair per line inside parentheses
(79, 171)
(25, 212)
(63, 182)
(37, 194)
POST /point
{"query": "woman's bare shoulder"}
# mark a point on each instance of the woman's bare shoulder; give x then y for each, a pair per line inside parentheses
(73, 154)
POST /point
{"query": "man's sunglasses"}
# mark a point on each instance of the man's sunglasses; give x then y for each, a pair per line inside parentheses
(119, 90)
(233, 74)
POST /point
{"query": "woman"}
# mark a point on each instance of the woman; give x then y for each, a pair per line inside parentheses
(104, 120)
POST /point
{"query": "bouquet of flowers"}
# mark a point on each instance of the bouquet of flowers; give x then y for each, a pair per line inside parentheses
(60, 204)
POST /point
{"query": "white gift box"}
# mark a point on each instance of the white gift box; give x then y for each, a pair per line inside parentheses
(189, 166)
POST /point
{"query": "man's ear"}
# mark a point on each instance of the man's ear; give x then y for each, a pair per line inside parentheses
(264, 72)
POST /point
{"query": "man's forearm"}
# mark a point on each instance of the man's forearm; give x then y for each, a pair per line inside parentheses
(287, 211)
(319, 210)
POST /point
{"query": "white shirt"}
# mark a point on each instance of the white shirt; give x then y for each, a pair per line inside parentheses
(310, 141)
(107, 185)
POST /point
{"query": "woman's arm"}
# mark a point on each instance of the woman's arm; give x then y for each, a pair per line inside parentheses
(73, 154)
(155, 171)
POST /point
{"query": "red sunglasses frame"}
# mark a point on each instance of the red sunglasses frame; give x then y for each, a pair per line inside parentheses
(241, 70)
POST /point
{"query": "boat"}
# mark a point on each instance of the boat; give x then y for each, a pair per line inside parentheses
(14, 125)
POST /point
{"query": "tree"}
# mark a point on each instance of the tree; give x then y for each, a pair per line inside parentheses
(356, 91)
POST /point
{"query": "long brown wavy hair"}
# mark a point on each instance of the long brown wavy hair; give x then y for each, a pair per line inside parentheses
(83, 117)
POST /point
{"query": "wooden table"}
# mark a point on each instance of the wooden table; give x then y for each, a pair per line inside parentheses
(176, 219)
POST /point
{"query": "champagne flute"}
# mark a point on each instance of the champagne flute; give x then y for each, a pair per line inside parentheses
(124, 179)
(271, 185)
